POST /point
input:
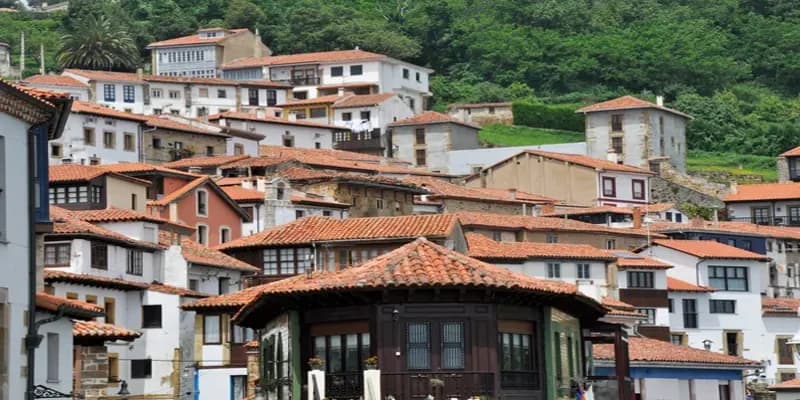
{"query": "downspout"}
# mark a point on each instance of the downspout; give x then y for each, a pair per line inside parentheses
(32, 339)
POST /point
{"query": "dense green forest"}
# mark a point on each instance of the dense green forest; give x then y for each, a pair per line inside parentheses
(733, 64)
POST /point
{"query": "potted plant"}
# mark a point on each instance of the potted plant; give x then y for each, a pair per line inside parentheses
(371, 362)
(316, 363)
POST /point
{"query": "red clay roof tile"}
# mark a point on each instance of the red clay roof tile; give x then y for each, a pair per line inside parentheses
(243, 195)
(441, 189)
(195, 39)
(92, 280)
(72, 308)
(783, 305)
(764, 191)
(206, 161)
(304, 58)
(627, 103)
(54, 80)
(481, 247)
(645, 350)
(101, 331)
(710, 249)
(630, 260)
(230, 301)
(197, 253)
(677, 285)
(96, 109)
(104, 75)
(65, 225)
(529, 223)
(237, 115)
(363, 100)
(431, 117)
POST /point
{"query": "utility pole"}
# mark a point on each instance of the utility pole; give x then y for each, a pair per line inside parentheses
(41, 58)
(22, 55)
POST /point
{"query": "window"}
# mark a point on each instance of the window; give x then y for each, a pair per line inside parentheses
(405, 73)
(326, 213)
(52, 357)
(55, 150)
(418, 77)
(379, 204)
(99, 254)
(135, 263)
(689, 313)
(156, 93)
(497, 236)
(91, 299)
(638, 189)
(108, 140)
(551, 238)
(419, 346)
(452, 345)
(238, 387)
(174, 94)
(794, 215)
(317, 145)
(785, 353)
(202, 92)
(650, 313)
(421, 157)
(240, 334)
(202, 202)
(141, 369)
(280, 192)
(583, 271)
(516, 355)
(611, 244)
(223, 285)
(110, 307)
(128, 94)
(194, 284)
(616, 122)
(419, 134)
(109, 93)
(640, 279)
(609, 187)
(356, 70)
(272, 97)
(209, 151)
(337, 71)
(156, 143)
(722, 306)
(88, 136)
(56, 255)
(670, 306)
(151, 316)
(728, 278)
(342, 352)
(202, 234)
(347, 116)
(365, 115)
(677, 339)
(212, 326)
(222, 93)
(288, 141)
(553, 270)
(732, 343)
(748, 245)
(287, 261)
(224, 235)
(319, 112)
(761, 215)
(128, 142)
(298, 214)
(113, 367)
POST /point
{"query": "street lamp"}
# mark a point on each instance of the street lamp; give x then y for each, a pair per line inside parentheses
(123, 388)
(707, 344)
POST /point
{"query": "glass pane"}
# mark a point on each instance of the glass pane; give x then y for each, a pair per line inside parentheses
(452, 346)
(506, 346)
(418, 346)
(319, 348)
(527, 362)
(351, 362)
(516, 359)
(335, 350)
(737, 284)
(365, 351)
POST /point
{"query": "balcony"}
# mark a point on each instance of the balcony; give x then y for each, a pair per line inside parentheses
(459, 385)
(359, 141)
(770, 220)
(344, 385)
(301, 81)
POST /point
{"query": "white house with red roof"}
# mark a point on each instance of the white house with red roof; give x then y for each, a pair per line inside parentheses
(203, 53)
(636, 132)
(765, 203)
(279, 131)
(324, 73)
(716, 291)
(426, 139)
(77, 90)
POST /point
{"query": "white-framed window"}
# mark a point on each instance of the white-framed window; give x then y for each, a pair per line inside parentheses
(212, 327)
(52, 357)
(202, 234)
(224, 234)
(202, 202)
(583, 271)
(553, 270)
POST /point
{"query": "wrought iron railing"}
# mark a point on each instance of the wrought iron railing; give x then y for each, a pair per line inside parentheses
(440, 385)
(344, 385)
(770, 220)
(519, 380)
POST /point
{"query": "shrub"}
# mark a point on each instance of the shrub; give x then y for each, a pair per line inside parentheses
(560, 116)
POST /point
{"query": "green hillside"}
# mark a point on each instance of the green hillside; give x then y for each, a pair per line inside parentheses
(504, 135)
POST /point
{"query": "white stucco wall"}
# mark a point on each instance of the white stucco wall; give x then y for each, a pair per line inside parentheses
(624, 193)
(304, 136)
(63, 329)
(464, 162)
(215, 383)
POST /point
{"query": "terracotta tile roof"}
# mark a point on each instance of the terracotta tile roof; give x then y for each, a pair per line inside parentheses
(305, 58)
(629, 260)
(66, 173)
(95, 330)
(164, 122)
(730, 227)
(114, 214)
(529, 223)
(230, 301)
(320, 229)
(206, 161)
(232, 180)
(431, 117)
(197, 253)
(64, 225)
(657, 207)
(264, 83)
(710, 249)
(96, 109)
(54, 80)
(315, 200)
(363, 100)
(179, 193)
(51, 276)
(791, 153)
(195, 39)
(677, 285)
(643, 350)
(764, 191)
(168, 289)
(627, 103)
(296, 174)
(347, 85)
(421, 264)
(586, 161)
(272, 120)
(790, 385)
(136, 168)
(484, 248)
(618, 304)
(266, 150)
(242, 195)
(329, 99)
(618, 308)
(785, 306)
(72, 308)
(213, 81)
(104, 75)
(441, 189)
(589, 210)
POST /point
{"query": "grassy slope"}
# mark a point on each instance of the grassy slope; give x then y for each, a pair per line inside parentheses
(738, 165)
(504, 135)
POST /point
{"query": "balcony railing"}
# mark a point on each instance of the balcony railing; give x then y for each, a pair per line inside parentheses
(344, 385)
(460, 385)
(779, 221)
(519, 380)
(355, 141)
(304, 81)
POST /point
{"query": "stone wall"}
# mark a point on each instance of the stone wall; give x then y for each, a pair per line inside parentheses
(92, 372)
(671, 186)
(782, 164)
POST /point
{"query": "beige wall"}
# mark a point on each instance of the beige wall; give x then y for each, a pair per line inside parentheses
(243, 45)
(194, 142)
(453, 205)
(598, 240)
(119, 194)
(567, 182)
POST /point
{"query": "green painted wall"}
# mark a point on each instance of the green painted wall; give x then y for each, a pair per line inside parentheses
(569, 337)
(294, 349)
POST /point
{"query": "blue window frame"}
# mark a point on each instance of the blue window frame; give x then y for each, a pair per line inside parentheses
(109, 92)
(128, 94)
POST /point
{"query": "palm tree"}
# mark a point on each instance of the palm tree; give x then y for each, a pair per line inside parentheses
(97, 43)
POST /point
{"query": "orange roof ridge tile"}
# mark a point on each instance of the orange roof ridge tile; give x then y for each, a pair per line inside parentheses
(710, 249)
(483, 247)
(677, 285)
(646, 350)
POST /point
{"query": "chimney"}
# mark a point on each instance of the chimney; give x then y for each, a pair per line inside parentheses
(340, 92)
(660, 101)
(734, 187)
(612, 156)
(513, 193)
(637, 218)
(139, 73)
(698, 222)
(292, 116)
(547, 208)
